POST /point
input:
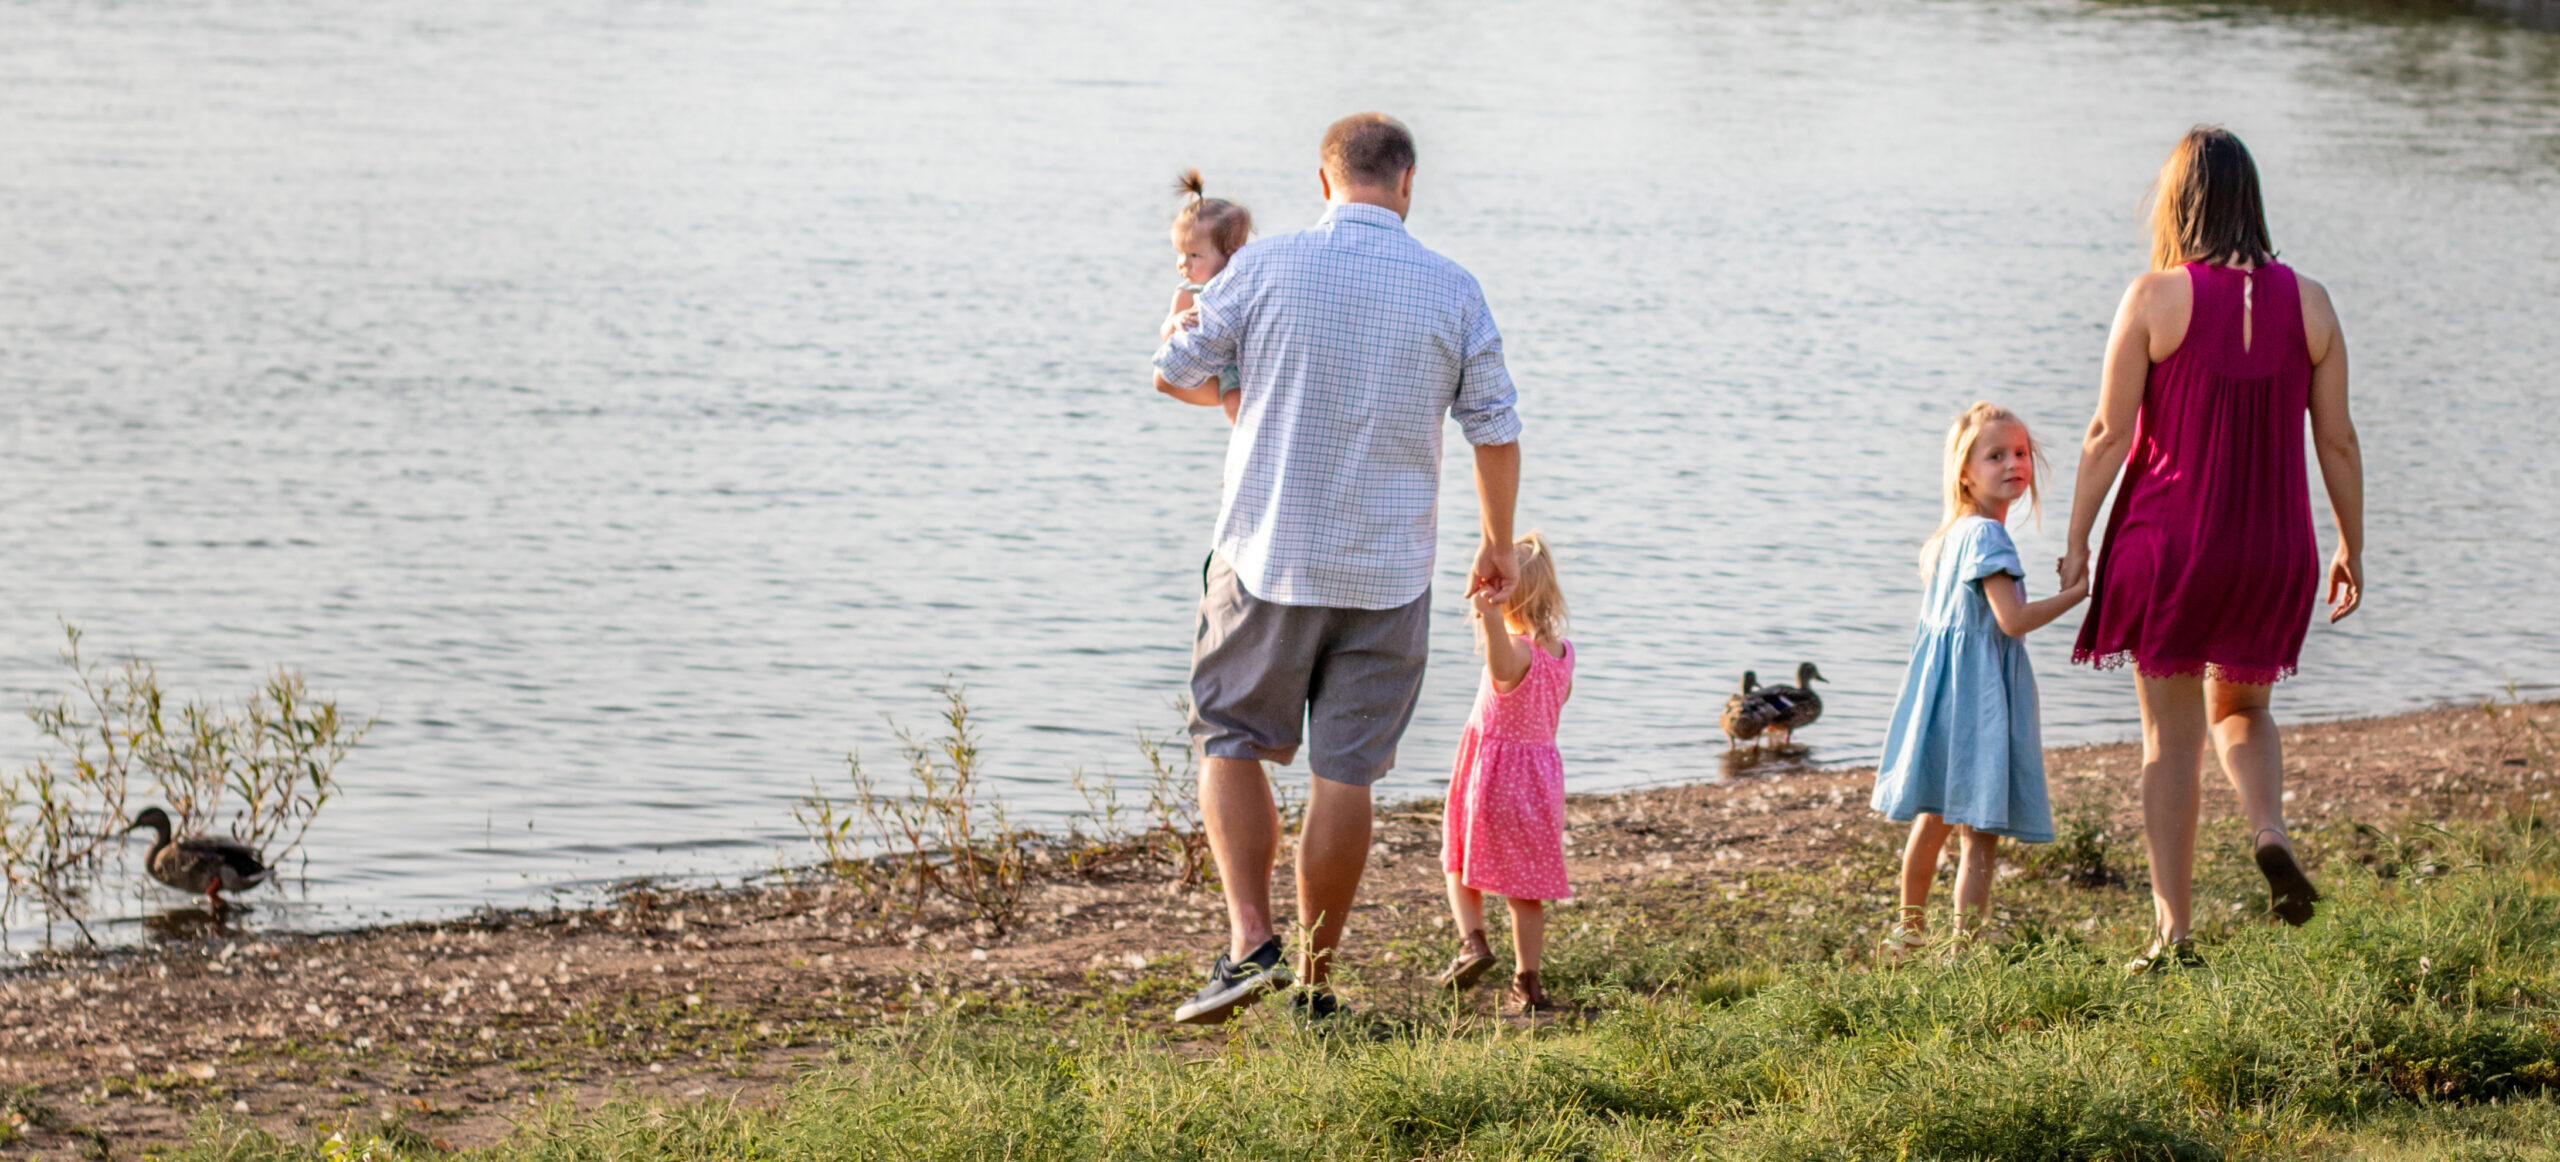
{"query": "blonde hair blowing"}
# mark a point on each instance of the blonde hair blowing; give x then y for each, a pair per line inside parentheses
(1961, 437)
(1538, 601)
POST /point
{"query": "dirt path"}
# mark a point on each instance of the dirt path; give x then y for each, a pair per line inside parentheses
(451, 1029)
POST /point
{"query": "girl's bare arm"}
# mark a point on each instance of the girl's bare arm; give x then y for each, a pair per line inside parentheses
(1505, 656)
(2020, 618)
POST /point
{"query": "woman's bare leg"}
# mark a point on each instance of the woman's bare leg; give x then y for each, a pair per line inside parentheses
(2173, 737)
(1973, 881)
(1920, 868)
(2244, 737)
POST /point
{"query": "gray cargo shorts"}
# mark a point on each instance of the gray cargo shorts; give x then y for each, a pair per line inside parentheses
(1265, 676)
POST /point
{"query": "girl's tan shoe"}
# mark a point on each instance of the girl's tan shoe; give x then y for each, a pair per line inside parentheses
(1527, 999)
(1474, 957)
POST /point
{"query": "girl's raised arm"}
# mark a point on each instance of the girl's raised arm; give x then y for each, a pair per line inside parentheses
(1505, 657)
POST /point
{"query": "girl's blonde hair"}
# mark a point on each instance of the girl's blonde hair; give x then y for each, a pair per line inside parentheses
(1538, 601)
(1961, 437)
(1229, 224)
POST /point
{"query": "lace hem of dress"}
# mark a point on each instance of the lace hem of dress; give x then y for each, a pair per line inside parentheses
(2210, 671)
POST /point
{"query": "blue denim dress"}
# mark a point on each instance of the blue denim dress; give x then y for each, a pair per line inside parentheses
(1964, 744)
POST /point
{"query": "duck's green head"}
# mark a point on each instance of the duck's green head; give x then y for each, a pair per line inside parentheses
(153, 818)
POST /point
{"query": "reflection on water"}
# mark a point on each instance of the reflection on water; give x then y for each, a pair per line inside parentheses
(196, 924)
(635, 404)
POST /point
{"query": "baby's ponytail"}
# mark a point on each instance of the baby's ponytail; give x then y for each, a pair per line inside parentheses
(1229, 224)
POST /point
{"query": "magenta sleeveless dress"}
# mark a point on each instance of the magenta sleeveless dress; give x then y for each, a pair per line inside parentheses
(2210, 566)
(1504, 829)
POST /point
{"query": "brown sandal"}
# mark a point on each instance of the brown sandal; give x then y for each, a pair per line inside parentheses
(2288, 889)
(1474, 957)
(1527, 999)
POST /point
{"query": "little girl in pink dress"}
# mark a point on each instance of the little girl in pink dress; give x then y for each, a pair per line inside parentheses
(1505, 822)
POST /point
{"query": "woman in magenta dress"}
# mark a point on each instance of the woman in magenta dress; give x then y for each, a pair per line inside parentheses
(2211, 566)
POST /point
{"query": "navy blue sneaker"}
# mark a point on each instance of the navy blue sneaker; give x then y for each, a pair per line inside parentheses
(1234, 985)
(1314, 1004)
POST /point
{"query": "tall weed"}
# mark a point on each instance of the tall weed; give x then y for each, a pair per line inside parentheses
(259, 771)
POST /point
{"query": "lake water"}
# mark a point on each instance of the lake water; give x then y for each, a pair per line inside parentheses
(634, 404)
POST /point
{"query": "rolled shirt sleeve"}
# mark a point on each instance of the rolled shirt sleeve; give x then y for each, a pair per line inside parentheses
(1486, 398)
(1194, 354)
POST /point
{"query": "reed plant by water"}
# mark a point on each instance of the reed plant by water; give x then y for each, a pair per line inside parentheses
(948, 838)
(260, 771)
(1172, 835)
(945, 849)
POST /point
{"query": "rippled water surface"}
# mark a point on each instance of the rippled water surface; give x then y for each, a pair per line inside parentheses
(635, 403)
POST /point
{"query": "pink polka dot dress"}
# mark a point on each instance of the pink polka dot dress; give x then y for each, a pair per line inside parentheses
(1505, 823)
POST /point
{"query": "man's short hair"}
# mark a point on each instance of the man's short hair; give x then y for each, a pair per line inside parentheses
(1368, 149)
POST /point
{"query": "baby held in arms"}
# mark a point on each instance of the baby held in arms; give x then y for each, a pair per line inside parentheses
(1206, 233)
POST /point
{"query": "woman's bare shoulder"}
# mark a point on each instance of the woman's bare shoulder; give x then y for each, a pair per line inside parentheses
(2152, 286)
(2156, 306)
(2319, 317)
(2314, 295)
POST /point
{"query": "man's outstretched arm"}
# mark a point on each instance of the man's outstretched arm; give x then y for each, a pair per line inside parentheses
(1497, 568)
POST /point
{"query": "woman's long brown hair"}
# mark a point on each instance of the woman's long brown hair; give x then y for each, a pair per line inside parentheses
(2207, 207)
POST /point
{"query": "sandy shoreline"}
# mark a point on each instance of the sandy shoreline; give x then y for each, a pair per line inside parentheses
(452, 1028)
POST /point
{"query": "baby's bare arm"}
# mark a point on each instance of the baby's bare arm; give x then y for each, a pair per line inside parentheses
(1205, 395)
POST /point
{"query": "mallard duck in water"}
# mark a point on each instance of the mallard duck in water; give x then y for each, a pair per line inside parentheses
(197, 863)
(1744, 718)
(1796, 706)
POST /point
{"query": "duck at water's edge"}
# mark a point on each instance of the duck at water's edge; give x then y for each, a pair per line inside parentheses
(1802, 706)
(1742, 719)
(1780, 709)
(199, 863)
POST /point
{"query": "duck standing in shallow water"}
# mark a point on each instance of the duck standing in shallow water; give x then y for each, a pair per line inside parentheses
(1758, 709)
(1743, 718)
(1801, 706)
(197, 863)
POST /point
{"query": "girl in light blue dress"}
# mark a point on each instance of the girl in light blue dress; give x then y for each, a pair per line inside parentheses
(1964, 753)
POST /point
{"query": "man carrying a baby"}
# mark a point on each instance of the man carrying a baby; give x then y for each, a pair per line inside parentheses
(1352, 341)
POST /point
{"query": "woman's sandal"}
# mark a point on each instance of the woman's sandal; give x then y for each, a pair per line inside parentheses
(2289, 890)
(1474, 958)
(2164, 956)
(1898, 944)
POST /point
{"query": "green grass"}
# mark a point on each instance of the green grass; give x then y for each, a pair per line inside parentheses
(2417, 1018)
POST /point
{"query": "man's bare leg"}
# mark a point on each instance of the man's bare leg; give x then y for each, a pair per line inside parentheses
(1244, 836)
(1333, 849)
